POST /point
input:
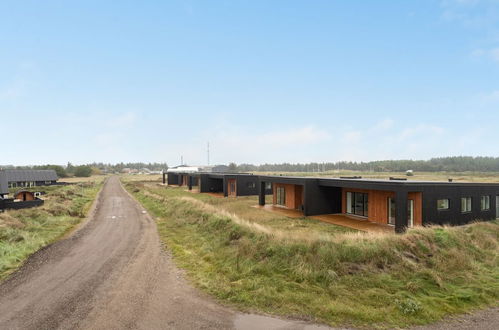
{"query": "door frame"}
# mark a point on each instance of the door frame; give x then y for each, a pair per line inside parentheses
(232, 192)
(410, 212)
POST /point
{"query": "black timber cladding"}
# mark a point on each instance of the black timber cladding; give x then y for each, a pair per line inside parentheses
(323, 196)
(172, 178)
(246, 184)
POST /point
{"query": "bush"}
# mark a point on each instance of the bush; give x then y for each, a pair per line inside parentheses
(83, 171)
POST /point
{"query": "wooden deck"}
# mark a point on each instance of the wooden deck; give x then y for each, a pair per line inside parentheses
(354, 222)
(218, 195)
(281, 210)
(335, 219)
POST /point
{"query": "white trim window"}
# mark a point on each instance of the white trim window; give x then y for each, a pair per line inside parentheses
(465, 204)
(485, 203)
(443, 204)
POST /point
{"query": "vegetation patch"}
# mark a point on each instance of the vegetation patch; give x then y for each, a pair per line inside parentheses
(23, 232)
(350, 279)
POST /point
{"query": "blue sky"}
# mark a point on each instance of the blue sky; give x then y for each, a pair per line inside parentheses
(262, 81)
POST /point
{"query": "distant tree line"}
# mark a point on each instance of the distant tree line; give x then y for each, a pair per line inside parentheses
(89, 169)
(442, 164)
(447, 164)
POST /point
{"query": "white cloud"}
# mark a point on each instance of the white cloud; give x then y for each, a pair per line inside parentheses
(384, 139)
(420, 130)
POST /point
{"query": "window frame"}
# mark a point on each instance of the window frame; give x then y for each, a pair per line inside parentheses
(448, 204)
(353, 198)
(468, 207)
(281, 196)
(487, 208)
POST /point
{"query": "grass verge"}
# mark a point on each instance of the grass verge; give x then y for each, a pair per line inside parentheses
(23, 232)
(350, 279)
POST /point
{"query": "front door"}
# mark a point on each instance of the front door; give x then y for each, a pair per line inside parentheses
(232, 188)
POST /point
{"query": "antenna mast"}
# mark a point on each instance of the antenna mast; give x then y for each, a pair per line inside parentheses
(208, 152)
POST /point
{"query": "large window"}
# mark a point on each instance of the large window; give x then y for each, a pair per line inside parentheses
(466, 204)
(443, 204)
(268, 185)
(485, 203)
(281, 196)
(357, 203)
(251, 185)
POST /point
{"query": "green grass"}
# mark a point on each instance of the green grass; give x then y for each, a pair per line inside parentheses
(23, 232)
(244, 207)
(349, 280)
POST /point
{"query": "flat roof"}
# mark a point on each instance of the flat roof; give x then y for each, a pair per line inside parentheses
(30, 175)
(378, 181)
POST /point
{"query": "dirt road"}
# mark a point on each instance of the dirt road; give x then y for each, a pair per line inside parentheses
(113, 274)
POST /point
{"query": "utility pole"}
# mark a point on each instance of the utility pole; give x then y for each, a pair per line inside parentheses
(181, 160)
(208, 152)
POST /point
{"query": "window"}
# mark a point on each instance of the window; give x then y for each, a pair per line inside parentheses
(410, 213)
(281, 196)
(485, 203)
(466, 204)
(349, 202)
(251, 185)
(391, 211)
(268, 185)
(443, 204)
(357, 203)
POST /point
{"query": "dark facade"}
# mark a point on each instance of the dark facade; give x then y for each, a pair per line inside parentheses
(4, 186)
(172, 178)
(229, 184)
(177, 178)
(30, 178)
(9, 203)
(387, 201)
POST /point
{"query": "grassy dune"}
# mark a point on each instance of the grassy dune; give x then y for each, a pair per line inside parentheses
(23, 232)
(338, 277)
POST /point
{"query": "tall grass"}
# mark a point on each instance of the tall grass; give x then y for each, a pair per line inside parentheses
(349, 279)
(23, 232)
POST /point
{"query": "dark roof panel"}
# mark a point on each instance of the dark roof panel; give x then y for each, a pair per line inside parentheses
(30, 175)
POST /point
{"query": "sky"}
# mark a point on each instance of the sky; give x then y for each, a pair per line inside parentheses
(261, 81)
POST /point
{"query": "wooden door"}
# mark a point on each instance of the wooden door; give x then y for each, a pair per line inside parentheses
(232, 189)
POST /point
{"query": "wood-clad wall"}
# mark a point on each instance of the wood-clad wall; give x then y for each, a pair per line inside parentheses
(378, 204)
(294, 195)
